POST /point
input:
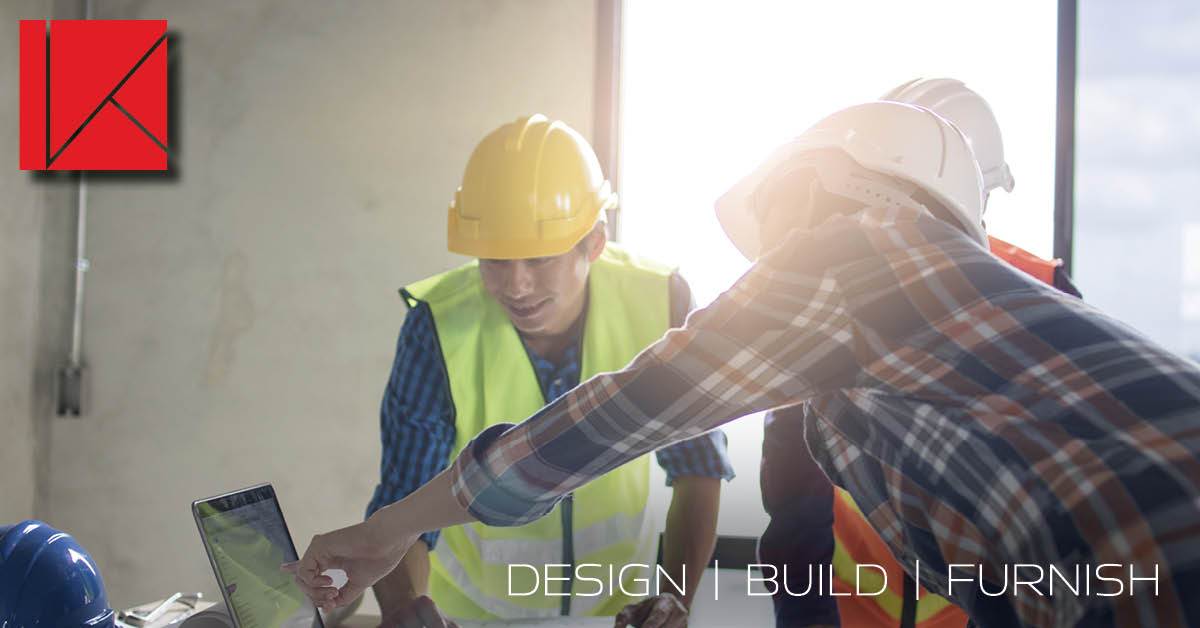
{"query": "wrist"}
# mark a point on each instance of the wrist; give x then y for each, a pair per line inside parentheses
(684, 601)
(396, 603)
(386, 531)
(679, 582)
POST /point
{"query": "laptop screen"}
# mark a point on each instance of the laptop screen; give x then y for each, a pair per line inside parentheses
(247, 539)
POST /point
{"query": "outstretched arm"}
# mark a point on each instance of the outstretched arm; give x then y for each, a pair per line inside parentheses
(370, 550)
(780, 335)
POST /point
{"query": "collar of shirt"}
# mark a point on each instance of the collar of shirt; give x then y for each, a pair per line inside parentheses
(556, 379)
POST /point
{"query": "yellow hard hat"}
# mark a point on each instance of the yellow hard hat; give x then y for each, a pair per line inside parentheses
(532, 188)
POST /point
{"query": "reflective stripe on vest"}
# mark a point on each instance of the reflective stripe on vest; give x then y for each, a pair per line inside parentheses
(492, 381)
(855, 544)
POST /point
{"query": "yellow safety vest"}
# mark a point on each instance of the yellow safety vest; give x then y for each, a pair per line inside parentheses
(492, 381)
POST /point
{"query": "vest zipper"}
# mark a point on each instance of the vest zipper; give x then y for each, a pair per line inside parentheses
(567, 507)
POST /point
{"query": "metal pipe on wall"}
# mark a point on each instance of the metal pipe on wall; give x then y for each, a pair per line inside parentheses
(70, 377)
(81, 266)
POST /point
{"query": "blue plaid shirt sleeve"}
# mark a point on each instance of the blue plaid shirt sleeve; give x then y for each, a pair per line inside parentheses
(706, 455)
(416, 420)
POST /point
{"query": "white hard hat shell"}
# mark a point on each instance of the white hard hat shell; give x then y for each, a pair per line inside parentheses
(909, 143)
(959, 104)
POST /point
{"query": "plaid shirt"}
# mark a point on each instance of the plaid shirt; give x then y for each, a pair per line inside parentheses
(417, 425)
(976, 415)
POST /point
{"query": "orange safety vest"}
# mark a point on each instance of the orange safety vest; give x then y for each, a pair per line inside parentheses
(856, 543)
(1038, 268)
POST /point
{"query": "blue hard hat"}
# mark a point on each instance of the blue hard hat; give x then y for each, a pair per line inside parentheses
(47, 580)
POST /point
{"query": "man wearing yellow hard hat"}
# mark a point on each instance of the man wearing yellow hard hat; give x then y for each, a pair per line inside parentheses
(548, 303)
(984, 422)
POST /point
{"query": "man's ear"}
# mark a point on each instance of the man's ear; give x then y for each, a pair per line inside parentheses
(596, 241)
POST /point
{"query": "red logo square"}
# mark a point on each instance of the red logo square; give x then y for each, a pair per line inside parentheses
(94, 95)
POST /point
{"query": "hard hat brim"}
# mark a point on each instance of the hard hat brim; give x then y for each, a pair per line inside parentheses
(463, 237)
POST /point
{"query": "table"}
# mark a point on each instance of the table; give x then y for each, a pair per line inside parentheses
(719, 603)
(371, 621)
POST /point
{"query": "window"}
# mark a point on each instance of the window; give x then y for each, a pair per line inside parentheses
(708, 89)
(1137, 169)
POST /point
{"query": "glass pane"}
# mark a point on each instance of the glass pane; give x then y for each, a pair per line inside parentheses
(1137, 219)
(709, 88)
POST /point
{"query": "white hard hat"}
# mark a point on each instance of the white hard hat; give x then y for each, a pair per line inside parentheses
(912, 145)
(954, 101)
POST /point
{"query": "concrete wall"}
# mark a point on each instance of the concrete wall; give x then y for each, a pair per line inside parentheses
(37, 227)
(241, 317)
(20, 247)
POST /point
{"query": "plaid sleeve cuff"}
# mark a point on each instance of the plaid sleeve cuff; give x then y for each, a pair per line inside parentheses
(482, 494)
(705, 455)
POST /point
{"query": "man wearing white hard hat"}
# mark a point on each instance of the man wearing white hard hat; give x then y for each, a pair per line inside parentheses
(967, 110)
(814, 523)
(981, 420)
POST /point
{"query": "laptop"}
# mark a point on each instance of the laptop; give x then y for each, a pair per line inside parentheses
(246, 539)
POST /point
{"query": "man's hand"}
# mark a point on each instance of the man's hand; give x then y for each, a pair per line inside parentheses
(364, 553)
(421, 612)
(370, 550)
(665, 610)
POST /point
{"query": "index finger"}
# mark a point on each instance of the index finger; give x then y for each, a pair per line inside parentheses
(308, 577)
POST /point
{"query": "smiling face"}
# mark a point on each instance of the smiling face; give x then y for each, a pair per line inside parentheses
(543, 296)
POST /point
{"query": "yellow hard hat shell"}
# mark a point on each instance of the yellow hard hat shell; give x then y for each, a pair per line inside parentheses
(532, 188)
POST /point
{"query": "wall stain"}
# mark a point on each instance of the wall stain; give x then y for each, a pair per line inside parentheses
(235, 317)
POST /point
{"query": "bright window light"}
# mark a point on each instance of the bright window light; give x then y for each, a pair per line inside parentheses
(709, 88)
